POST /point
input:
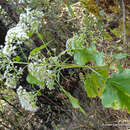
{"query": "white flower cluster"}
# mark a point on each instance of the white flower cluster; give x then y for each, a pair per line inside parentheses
(41, 73)
(27, 99)
(29, 22)
(11, 81)
(16, 34)
(40, 70)
(32, 2)
(12, 78)
(31, 19)
(11, 73)
(25, 1)
(2, 11)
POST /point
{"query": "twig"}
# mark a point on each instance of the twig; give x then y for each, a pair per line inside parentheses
(57, 105)
(124, 30)
(2, 97)
(27, 121)
(4, 118)
(5, 126)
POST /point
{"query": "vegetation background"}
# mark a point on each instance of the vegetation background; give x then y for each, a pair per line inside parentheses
(64, 65)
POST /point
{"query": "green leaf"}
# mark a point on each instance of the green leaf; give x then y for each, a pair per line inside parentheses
(40, 35)
(103, 33)
(80, 57)
(70, 9)
(99, 59)
(106, 35)
(117, 91)
(116, 32)
(120, 56)
(86, 21)
(95, 84)
(122, 79)
(30, 33)
(38, 49)
(32, 80)
(84, 55)
(74, 101)
(39, 93)
(99, 25)
(17, 58)
(6, 97)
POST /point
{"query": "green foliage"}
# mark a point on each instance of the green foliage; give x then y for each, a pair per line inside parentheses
(102, 31)
(85, 55)
(38, 49)
(117, 91)
(99, 58)
(33, 80)
(74, 101)
(114, 91)
(95, 84)
(17, 58)
(80, 56)
(42, 68)
(120, 56)
(70, 10)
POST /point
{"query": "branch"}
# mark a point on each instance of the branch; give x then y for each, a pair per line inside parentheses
(5, 126)
(124, 31)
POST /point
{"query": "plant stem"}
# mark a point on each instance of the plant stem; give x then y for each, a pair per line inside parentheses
(65, 65)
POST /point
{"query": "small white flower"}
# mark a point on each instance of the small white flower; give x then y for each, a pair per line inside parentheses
(16, 33)
(27, 99)
(6, 50)
(29, 21)
(37, 71)
(50, 84)
(21, 1)
(41, 73)
(11, 79)
(9, 49)
(20, 71)
(32, 19)
(11, 82)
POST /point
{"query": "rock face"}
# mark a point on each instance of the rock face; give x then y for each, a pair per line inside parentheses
(3, 31)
